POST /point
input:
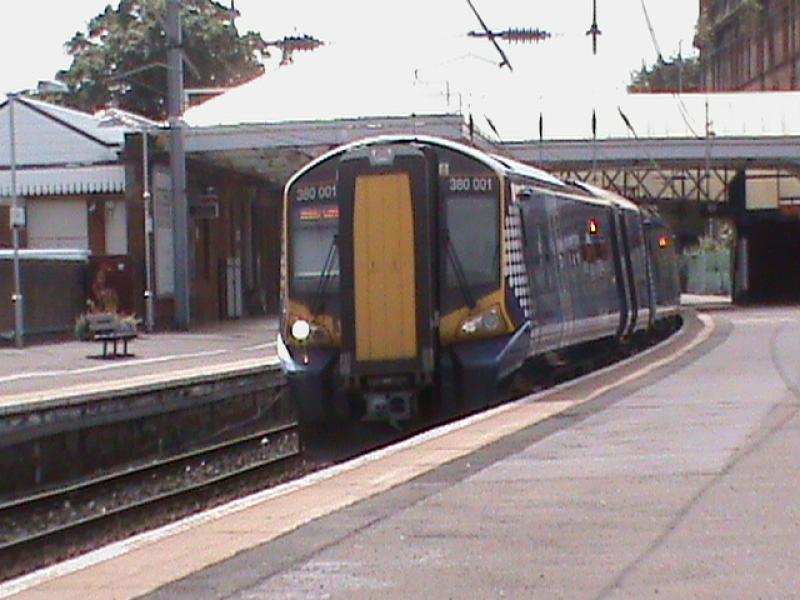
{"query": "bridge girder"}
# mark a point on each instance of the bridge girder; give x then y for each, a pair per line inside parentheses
(651, 185)
(663, 169)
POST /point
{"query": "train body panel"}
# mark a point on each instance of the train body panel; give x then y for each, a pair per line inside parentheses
(568, 259)
(416, 268)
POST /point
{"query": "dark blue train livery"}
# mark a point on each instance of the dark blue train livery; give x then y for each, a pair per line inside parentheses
(421, 275)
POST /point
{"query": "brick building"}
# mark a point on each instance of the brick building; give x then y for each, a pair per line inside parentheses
(751, 45)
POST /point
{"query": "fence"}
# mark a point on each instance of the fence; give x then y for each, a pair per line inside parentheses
(54, 290)
(707, 272)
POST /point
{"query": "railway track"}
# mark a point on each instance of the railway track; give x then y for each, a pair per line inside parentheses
(36, 529)
(30, 524)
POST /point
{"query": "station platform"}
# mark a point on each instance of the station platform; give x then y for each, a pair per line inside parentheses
(673, 474)
(62, 370)
(46, 372)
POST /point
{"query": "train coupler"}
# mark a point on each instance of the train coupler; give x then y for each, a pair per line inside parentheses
(393, 407)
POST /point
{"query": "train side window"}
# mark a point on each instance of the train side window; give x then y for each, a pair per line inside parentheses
(537, 249)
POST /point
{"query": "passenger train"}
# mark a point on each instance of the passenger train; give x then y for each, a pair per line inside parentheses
(419, 274)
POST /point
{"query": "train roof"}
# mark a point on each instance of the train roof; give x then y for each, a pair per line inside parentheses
(599, 192)
(652, 216)
(501, 164)
(527, 170)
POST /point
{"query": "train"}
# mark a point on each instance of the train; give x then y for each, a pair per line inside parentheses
(420, 275)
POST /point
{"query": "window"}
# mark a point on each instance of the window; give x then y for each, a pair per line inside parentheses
(313, 250)
(473, 227)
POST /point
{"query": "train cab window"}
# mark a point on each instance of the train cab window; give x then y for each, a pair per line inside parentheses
(314, 254)
(472, 225)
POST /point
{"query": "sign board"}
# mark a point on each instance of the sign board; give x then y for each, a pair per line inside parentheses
(163, 242)
(16, 217)
(761, 193)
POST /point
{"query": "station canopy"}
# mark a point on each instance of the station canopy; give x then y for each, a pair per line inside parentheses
(337, 82)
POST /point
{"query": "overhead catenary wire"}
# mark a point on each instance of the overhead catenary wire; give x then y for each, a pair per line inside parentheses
(639, 143)
(504, 62)
(682, 110)
(659, 55)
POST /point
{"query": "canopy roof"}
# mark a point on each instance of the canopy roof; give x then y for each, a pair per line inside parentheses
(335, 82)
(69, 181)
(59, 151)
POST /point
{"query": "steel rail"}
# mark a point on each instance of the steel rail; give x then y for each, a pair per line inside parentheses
(285, 432)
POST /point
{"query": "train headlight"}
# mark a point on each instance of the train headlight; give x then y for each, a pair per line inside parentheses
(486, 322)
(301, 329)
(491, 320)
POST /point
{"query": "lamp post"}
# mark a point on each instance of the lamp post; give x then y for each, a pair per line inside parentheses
(116, 118)
(17, 212)
(16, 218)
(148, 232)
(177, 159)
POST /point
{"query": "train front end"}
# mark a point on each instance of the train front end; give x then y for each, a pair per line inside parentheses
(392, 282)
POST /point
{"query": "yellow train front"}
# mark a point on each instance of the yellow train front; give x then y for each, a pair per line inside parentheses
(392, 256)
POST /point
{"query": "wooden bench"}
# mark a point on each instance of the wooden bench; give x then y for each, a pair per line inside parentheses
(106, 328)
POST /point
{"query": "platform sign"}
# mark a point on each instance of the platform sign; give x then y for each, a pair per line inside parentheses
(164, 248)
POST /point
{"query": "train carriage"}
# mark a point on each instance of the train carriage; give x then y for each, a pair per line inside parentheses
(418, 272)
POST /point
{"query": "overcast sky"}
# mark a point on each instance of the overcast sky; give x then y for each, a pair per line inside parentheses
(421, 35)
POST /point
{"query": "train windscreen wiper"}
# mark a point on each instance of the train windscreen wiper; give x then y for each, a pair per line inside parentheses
(325, 276)
(458, 269)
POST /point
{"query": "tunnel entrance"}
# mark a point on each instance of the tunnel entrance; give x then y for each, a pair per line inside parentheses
(774, 261)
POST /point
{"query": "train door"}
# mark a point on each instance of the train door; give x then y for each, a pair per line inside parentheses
(383, 251)
(649, 268)
(630, 278)
(387, 264)
(639, 269)
(541, 260)
(562, 274)
(621, 271)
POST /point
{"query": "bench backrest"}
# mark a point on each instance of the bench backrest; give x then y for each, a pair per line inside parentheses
(102, 322)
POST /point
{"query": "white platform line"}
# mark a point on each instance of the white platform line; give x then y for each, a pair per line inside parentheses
(259, 347)
(127, 363)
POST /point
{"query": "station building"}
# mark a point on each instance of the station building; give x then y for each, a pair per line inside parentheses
(754, 46)
(70, 185)
(749, 45)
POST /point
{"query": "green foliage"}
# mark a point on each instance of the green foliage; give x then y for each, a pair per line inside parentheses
(672, 75)
(82, 328)
(752, 8)
(720, 240)
(121, 58)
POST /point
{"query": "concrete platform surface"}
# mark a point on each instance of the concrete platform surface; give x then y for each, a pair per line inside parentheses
(37, 371)
(684, 485)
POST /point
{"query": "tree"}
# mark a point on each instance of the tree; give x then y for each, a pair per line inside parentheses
(121, 59)
(677, 74)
